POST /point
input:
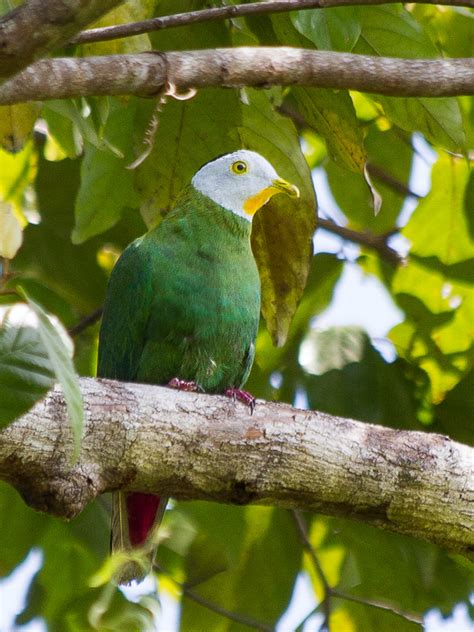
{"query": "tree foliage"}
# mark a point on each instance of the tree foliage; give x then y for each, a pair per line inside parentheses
(77, 204)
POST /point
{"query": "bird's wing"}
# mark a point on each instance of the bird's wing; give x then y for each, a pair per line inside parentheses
(248, 362)
(126, 312)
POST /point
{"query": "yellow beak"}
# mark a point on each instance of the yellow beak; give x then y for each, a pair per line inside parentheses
(282, 186)
(279, 185)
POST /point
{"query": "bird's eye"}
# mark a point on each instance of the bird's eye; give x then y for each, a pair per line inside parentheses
(239, 167)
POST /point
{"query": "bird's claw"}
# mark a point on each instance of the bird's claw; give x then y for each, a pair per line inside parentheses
(242, 396)
(185, 385)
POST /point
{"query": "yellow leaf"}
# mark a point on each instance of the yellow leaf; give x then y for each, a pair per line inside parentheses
(16, 125)
(11, 235)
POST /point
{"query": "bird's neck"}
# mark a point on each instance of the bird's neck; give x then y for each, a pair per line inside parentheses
(203, 216)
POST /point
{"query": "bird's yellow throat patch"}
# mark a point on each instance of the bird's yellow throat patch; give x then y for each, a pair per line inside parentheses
(252, 204)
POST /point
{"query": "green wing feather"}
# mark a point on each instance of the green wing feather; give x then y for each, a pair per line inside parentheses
(126, 313)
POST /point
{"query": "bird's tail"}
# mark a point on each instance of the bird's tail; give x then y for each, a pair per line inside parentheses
(135, 521)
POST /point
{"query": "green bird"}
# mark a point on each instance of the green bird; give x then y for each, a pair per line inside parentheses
(183, 306)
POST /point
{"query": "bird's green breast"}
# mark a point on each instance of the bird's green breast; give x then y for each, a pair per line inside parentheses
(202, 297)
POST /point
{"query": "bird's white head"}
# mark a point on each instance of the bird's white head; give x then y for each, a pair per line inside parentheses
(241, 182)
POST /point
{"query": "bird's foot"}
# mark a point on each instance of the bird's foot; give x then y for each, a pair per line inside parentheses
(242, 396)
(185, 385)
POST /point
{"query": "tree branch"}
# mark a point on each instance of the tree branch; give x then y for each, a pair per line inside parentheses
(195, 446)
(86, 322)
(229, 12)
(144, 74)
(38, 26)
(367, 239)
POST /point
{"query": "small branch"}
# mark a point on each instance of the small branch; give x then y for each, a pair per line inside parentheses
(229, 12)
(38, 26)
(145, 74)
(369, 240)
(194, 446)
(211, 605)
(326, 601)
(86, 322)
(392, 182)
(330, 592)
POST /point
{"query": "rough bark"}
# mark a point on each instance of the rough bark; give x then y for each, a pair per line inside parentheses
(194, 446)
(144, 74)
(38, 26)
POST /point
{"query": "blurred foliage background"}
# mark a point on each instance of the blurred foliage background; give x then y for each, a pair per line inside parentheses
(67, 197)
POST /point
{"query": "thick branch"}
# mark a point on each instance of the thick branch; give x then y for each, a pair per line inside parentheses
(38, 26)
(191, 446)
(145, 73)
(232, 11)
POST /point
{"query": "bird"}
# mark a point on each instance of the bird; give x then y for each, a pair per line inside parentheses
(182, 309)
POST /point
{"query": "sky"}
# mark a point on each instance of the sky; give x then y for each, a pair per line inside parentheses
(358, 300)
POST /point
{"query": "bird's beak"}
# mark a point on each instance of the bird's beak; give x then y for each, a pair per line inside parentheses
(282, 186)
(279, 185)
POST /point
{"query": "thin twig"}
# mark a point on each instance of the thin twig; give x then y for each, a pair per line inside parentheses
(367, 239)
(326, 600)
(334, 592)
(232, 11)
(210, 605)
(86, 322)
(391, 181)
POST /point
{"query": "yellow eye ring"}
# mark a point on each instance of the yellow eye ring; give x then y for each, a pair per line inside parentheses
(239, 167)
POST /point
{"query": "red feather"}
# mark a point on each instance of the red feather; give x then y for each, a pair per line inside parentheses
(141, 511)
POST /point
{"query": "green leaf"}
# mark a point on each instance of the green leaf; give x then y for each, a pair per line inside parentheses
(332, 115)
(451, 29)
(330, 29)
(440, 119)
(132, 11)
(203, 123)
(387, 152)
(348, 377)
(63, 131)
(20, 532)
(48, 255)
(283, 229)
(243, 540)
(60, 352)
(392, 32)
(75, 117)
(437, 334)
(26, 371)
(395, 570)
(439, 225)
(439, 277)
(107, 187)
(455, 413)
(324, 274)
